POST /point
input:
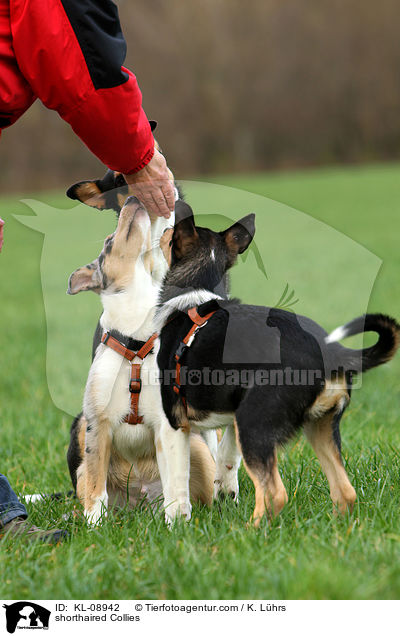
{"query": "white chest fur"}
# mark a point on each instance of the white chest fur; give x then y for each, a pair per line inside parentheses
(107, 398)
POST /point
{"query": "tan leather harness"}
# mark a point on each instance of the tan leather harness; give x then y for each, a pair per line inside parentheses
(135, 383)
(198, 321)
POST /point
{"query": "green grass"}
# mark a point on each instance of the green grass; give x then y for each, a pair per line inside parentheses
(306, 552)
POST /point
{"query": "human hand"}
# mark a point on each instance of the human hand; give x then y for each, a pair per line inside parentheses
(153, 186)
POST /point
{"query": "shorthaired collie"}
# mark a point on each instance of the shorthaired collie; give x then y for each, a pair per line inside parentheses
(115, 447)
(274, 371)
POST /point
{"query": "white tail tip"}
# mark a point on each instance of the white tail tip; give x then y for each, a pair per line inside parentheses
(33, 498)
(336, 334)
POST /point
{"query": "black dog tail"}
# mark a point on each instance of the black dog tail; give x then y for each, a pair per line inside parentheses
(382, 351)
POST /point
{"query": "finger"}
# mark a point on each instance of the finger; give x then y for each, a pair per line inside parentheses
(144, 196)
(160, 202)
(169, 194)
(153, 199)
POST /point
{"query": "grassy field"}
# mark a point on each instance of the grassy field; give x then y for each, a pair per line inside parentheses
(307, 552)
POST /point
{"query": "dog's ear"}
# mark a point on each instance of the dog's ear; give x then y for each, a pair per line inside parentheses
(185, 234)
(239, 236)
(153, 124)
(88, 192)
(184, 214)
(85, 278)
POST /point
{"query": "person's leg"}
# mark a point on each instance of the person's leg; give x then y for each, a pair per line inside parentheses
(10, 506)
(13, 517)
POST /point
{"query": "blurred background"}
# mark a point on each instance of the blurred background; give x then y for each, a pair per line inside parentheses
(252, 95)
(240, 87)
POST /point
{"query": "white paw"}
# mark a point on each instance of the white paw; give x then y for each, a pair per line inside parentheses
(177, 510)
(94, 518)
(97, 513)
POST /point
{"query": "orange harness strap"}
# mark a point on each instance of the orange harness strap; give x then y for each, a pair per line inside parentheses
(198, 321)
(135, 383)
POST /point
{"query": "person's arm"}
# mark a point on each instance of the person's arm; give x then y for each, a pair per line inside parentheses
(71, 52)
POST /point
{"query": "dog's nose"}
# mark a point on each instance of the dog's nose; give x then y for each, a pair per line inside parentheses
(132, 200)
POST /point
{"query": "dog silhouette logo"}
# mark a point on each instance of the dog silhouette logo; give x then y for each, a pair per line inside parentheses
(26, 615)
(295, 262)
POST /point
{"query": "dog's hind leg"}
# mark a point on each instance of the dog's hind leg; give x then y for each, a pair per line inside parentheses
(324, 437)
(202, 471)
(76, 449)
(96, 463)
(260, 460)
(76, 456)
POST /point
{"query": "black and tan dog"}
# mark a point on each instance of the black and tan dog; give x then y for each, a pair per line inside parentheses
(275, 371)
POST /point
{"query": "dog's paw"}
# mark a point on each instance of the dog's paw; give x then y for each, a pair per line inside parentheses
(94, 519)
(226, 483)
(96, 513)
(177, 510)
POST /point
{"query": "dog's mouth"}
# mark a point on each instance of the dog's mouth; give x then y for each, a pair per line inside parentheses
(133, 214)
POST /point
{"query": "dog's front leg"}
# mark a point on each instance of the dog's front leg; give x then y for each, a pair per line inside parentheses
(173, 457)
(227, 466)
(96, 461)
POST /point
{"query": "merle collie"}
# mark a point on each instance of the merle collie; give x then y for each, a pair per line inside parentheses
(115, 454)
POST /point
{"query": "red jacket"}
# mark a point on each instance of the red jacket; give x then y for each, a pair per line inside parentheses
(69, 54)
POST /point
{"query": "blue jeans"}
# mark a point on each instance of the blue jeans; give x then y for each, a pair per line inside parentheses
(10, 506)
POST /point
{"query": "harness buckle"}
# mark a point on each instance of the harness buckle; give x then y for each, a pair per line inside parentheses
(194, 334)
(105, 337)
(181, 348)
(135, 385)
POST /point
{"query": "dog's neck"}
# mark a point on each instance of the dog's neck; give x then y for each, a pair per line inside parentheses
(183, 302)
(131, 311)
(188, 286)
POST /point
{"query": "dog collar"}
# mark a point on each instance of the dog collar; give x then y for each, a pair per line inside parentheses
(128, 343)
